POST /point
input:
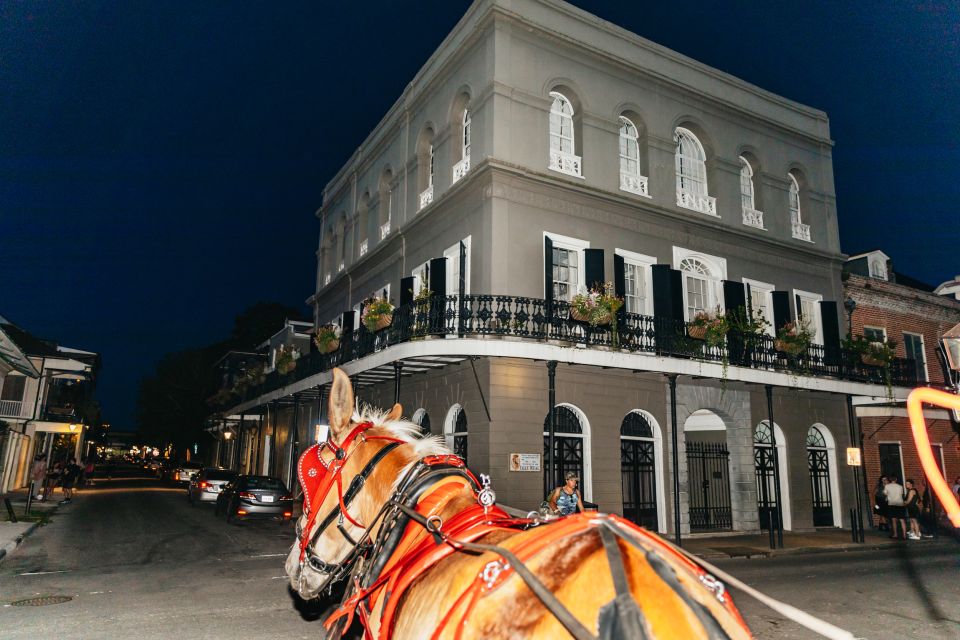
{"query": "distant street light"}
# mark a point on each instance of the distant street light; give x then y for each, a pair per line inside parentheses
(227, 434)
(850, 304)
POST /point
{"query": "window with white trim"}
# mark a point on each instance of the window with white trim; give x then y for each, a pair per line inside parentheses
(421, 275)
(430, 174)
(807, 308)
(746, 185)
(637, 277)
(452, 255)
(563, 147)
(794, 200)
(875, 334)
(568, 276)
(630, 177)
(760, 300)
(913, 343)
(466, 134)
(878, 269)
(702, 279)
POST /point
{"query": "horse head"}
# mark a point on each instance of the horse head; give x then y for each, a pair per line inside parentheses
(329, 527)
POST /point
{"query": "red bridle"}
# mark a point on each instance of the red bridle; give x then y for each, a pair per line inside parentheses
(317, 477)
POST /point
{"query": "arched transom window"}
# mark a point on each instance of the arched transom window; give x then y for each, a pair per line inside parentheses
(630, 178)
(699, 283)
(800, 230)
(456, 430)
(691, 170)
(751, 217)
(563, 147)
(466, 133)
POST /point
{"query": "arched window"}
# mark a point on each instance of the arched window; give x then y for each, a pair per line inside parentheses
(801, 231)
(422, 418)
(764, 464)
(455, 429)
(751, 217)
(344, 246)
(571, 448)
(386, 202)
(691, 170)
(563, 147)
(700, 286)
(822, 465)
(630, 178)
(466, 134)
(363, 224)
(463, 166)
(425, 167)
(641, 456)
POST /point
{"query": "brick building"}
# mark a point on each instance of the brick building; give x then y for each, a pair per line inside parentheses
(894, 307)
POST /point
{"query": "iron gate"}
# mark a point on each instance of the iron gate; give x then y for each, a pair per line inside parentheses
(766, 484)
(567, 450)
(819, 465)
(639, 482)
(709, 486)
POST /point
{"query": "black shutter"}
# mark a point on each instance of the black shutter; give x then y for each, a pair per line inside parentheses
(438, 276)
(620, 285)
(548, 275)
(407, 292)
(667, 304)
(593, 268)
(346, 334)
(735, 298)
(830, 318)
(462, 290)
(781, 309)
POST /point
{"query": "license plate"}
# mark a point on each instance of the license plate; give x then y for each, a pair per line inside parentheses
(266, 498)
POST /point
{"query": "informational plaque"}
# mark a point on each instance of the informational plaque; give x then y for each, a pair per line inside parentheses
(524, 462)
(853, 457)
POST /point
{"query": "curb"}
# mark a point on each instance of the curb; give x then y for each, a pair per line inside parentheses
(10, 547)
(773, 553)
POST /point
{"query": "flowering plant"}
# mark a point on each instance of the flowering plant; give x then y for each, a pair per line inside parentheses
(287, 359)
(377, 314)
(327, 338)
(876, 353)
(597, 307)
(709, 327)
(793, 338)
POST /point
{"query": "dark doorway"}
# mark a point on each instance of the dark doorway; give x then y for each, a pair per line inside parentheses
(567, 448)
(709, 486)
(638, 471)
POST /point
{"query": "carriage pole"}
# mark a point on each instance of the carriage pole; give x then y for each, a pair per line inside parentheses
(676, 458)
(552, 393)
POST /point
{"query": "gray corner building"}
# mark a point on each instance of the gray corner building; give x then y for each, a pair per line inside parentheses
(541, 152)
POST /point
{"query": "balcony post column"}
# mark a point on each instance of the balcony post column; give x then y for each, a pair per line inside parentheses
(676, 458)
(856, 438)
(552, 420)
(776, 466)
(397, 369)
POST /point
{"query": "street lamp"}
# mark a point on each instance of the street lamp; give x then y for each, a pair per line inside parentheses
(850, 304)
(73, 427)
(227, 434)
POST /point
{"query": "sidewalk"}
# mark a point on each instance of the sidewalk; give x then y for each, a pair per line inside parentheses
(13, 533)
(758, 546)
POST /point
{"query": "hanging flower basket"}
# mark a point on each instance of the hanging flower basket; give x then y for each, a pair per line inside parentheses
(789, 347)
(697, 332)
(596, 307)
(330, 346)
(873, 361)
(377, 314)
(602, 319)
(383, 321)
(327, 338)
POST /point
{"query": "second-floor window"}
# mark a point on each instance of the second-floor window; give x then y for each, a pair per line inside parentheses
(466, 134)
(808, 311)
(563, 146)
(913, 343)
(13, 387)
(691, 168)
(700, 285)
(746, 185)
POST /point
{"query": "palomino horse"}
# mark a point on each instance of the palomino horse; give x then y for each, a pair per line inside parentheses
(425, 553)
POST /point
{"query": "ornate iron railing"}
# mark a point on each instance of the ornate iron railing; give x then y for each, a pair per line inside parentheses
(522, 318)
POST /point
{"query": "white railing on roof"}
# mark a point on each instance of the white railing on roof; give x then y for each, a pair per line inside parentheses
(634, 184)
(697, 202)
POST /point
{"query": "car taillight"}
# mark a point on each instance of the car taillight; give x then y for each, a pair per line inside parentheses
(246, 495)
(287, 514)
(204, 485)
(241, 512)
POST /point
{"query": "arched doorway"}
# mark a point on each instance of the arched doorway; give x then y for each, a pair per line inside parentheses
(455, 428)
(822, 464)
(641, 470)
(422, 418)
(708, 472)
(571, 449)
(763, 460)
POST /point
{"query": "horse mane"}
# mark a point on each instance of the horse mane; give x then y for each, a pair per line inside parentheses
(409, 432)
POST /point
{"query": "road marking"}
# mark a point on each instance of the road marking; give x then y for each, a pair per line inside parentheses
(42, 573)
(269, 555)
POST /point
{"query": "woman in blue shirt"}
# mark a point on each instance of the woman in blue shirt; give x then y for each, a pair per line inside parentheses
(566, 499)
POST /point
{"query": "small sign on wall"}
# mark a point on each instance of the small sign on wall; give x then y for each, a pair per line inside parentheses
(524, 462)
(853, 457)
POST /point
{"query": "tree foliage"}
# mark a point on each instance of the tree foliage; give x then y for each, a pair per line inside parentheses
(171, 406)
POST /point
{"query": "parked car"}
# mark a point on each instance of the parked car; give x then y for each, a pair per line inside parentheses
(255, 497)
(183, 471)
(206, 485)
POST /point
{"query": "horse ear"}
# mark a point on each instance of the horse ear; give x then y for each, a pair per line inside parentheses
(395, 413)
(340, 409)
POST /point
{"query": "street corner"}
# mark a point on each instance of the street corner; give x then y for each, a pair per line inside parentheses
(12, 534)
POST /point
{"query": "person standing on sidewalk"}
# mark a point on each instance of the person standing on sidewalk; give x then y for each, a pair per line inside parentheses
(912, 504)
(38, 475)
(880, 499)
(896, 512)
(70, 474)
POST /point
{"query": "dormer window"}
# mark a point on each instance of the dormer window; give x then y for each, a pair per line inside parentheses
(878, 268)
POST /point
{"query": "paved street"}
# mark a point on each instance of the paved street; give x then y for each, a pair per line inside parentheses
(140, 562)
(906, 592)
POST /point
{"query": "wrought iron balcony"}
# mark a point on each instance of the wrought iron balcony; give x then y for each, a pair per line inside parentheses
(11, 408)
(461, 169)
(426, 196)
(567, 163)
(384, 229)
(634, 184)
(697, 202)
(513, 317)
(801, 231)
(752, 218)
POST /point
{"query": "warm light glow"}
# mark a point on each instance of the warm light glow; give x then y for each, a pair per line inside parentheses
(73, 427)
(227, 434)
(935, 479)
(241, 512)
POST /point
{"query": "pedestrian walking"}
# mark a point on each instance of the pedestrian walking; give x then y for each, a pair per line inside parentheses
(928, 512)
(71, 472)
(896, 512)
(880, 504)
(912, 504)
(566, 499)
(52, 480)
(38, 476)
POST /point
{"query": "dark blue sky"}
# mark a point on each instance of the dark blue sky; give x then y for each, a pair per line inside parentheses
(160, 162)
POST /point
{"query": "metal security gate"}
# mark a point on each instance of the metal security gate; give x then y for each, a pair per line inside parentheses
(639, 482)
(763, 464)
(567, 448)
(818, 461)
(709, 486)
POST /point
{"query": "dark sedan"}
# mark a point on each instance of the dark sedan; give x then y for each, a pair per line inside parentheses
(255, 497)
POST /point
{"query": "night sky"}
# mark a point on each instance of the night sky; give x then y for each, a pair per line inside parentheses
(161, 162)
